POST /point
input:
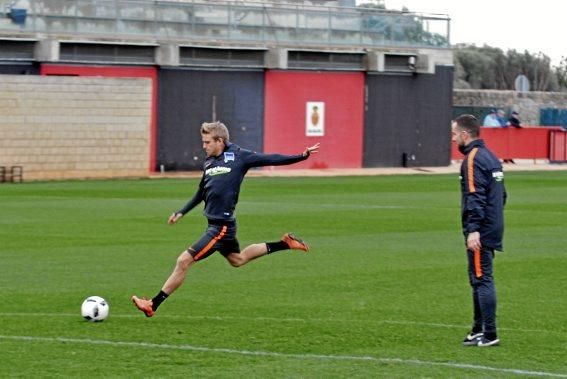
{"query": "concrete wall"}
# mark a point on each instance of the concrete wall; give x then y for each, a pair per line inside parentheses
(75, 127)
(528, 104)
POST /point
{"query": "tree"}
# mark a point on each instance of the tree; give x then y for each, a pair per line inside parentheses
(478, 66)
(490, 68)
(561, 74)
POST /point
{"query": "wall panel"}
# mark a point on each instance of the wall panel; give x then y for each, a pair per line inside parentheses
(187, 98)
(287, 93)
(408, 116)
(17, 68)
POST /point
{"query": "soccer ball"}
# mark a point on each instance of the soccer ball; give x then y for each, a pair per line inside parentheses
(95, 309)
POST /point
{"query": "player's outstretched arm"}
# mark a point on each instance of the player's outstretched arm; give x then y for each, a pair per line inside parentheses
(253, 159)
(311, 150)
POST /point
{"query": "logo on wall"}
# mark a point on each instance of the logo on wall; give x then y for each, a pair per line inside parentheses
(315, 119)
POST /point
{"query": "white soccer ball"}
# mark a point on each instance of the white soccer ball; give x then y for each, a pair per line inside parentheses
(95, 309)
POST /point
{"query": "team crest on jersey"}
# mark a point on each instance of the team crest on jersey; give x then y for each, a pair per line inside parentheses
(228, 156)
(498, 176)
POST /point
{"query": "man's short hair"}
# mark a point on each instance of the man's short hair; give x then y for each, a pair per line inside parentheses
(469, 123)
(216, 129)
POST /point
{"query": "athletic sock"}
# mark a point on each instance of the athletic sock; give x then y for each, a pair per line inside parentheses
(276, 246)
(158, 299)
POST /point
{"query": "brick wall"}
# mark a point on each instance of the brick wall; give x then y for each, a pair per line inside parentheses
(60, 127)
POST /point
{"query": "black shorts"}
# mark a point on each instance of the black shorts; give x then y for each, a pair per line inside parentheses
(219, 236)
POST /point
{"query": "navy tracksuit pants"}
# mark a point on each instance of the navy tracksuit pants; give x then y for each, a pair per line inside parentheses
(483, 289)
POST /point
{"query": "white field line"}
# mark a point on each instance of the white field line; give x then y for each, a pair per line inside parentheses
(283, 319)
(204, 349)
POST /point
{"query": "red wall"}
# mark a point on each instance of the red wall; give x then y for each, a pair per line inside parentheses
(119, 72)
(286, 95)
(524, 143)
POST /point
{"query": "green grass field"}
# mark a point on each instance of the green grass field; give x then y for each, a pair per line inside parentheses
(383, 293)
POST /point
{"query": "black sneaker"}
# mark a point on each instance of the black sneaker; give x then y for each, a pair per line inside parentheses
(485, 342)
(472, 339)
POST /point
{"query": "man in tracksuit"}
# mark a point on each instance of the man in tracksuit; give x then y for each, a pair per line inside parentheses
(224, 169)
(482, 206)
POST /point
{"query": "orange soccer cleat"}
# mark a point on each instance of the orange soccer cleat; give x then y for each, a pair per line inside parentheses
(295, 243)
(144, 305)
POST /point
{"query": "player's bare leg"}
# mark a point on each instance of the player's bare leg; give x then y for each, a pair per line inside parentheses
(251, 252)
(175, 280)
(288, 241)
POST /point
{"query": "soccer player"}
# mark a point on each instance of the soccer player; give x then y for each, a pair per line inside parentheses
(224, 169)
(482, 211)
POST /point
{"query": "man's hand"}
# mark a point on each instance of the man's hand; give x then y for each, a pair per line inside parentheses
(174, 218)
(473, 241)
(313, 149)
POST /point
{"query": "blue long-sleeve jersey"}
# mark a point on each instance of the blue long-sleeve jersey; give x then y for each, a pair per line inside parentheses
(483, 195)
(220, 185)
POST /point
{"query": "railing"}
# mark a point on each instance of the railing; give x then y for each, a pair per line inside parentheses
(243, 21)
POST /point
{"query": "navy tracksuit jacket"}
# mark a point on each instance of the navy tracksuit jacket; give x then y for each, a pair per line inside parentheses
(483, 194)
(223, 175)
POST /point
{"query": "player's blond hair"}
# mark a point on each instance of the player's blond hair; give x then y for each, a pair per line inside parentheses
(216, 129)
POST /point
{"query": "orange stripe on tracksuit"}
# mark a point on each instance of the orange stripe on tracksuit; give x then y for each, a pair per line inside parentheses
(472, 189)
(211, 243)
(470, 170)
(476, 263)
